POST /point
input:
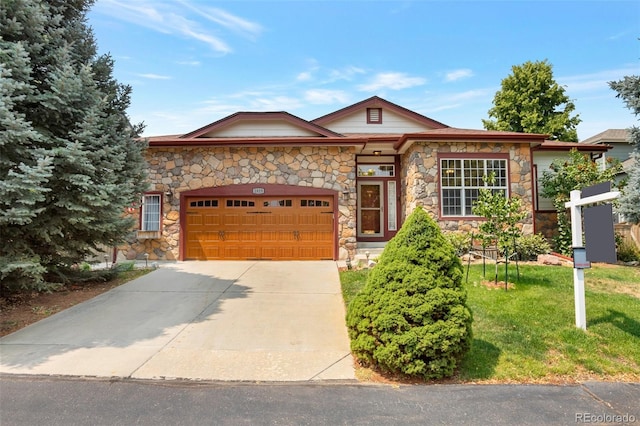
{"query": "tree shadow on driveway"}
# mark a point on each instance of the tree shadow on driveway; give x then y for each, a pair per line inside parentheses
(115, 333)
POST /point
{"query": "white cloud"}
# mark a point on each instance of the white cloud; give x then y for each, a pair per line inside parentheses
(391, 80)
(598, 81)
(304, 76)
(346, 73)
(456, 75)
(189, 63)
(170, 18)
(276, 103)
(151, 76)
(227, 20)
(324, 96)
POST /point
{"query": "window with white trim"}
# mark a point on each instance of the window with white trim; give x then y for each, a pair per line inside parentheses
(150, 215)
(461, 180)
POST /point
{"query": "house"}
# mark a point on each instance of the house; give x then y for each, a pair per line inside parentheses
(270, 185)
(617, 139)
(545, 215)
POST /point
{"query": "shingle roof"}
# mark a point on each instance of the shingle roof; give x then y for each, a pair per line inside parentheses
(610, 135)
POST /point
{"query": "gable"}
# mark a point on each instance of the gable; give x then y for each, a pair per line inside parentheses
(390, 123)
(393, 119)
(260, 125)
(259, 129)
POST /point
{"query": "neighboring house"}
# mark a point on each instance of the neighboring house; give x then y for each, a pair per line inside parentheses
(618, 139)
(270, 185)
(621, 149)
(543, 155)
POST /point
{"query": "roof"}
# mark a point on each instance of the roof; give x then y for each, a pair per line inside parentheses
(610, 135)
(452, 133)
(548, 145)
(627, 164)
(322, 136)
(260, 116)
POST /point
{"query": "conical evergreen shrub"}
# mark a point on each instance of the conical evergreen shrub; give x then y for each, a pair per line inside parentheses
(411, 317)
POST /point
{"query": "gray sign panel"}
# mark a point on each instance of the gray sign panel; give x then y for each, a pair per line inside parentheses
(598, 233)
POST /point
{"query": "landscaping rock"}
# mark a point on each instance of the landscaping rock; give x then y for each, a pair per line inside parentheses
(549, 259)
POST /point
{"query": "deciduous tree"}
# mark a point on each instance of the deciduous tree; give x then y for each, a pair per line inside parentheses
(531, 101)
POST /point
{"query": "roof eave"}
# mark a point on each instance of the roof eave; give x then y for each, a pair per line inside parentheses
(524, 138)
(256, 142)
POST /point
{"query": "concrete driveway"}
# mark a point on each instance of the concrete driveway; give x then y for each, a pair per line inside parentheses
(232, 321)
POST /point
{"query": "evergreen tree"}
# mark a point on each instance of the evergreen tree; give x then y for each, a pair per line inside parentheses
(531, 101)
(70, 162)
(629, 90)
(411, 316)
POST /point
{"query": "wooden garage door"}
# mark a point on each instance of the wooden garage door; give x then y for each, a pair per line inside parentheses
(279, 228)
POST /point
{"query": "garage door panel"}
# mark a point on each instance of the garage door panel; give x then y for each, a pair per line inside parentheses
(259, 228)
(212, 251)
(212, 220)
(194, 219)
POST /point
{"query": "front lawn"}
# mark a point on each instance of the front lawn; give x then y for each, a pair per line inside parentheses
(528, 333)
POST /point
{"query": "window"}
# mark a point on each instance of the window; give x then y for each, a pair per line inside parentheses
(314, 203)
(204, 203)
(369, 170)
(277, 203)
(240, 203)
(374, 115)
(150, 215)
(461, 180)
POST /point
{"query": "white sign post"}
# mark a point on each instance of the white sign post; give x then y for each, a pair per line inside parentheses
(575, 204)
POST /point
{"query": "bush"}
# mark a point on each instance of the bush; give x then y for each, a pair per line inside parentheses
(411, 317)
(530, 246)
(627, 251)
(460, 241)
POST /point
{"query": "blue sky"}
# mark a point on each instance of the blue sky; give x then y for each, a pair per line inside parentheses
(192, 62)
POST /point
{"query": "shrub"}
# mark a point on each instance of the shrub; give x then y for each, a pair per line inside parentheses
(627, 251)
(460, 241)
(411, 316)
(530, 246)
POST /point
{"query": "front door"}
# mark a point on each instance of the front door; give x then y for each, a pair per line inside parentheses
(370, 209)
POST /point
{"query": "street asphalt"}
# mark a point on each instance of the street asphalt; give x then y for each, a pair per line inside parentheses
(32, 401)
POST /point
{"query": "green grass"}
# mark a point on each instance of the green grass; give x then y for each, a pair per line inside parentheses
(528, 333)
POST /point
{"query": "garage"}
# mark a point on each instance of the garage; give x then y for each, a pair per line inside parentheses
(275, 227)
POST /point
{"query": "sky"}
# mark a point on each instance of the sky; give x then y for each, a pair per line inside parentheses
(193, 62)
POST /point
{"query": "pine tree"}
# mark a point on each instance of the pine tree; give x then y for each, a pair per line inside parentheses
(629, 90)
(531, 101)
(70, 162)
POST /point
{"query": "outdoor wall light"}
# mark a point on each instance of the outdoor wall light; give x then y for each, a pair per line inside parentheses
(377, 153)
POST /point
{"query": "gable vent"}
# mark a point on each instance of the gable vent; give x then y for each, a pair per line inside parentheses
(374, 115)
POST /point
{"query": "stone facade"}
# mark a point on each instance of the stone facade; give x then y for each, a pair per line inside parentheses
(419, 172)
(547, 224)
(189, 168)
(176, 170)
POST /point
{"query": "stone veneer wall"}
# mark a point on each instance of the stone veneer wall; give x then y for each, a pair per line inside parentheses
(184, 169)
(419, 172)
(547, 224)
